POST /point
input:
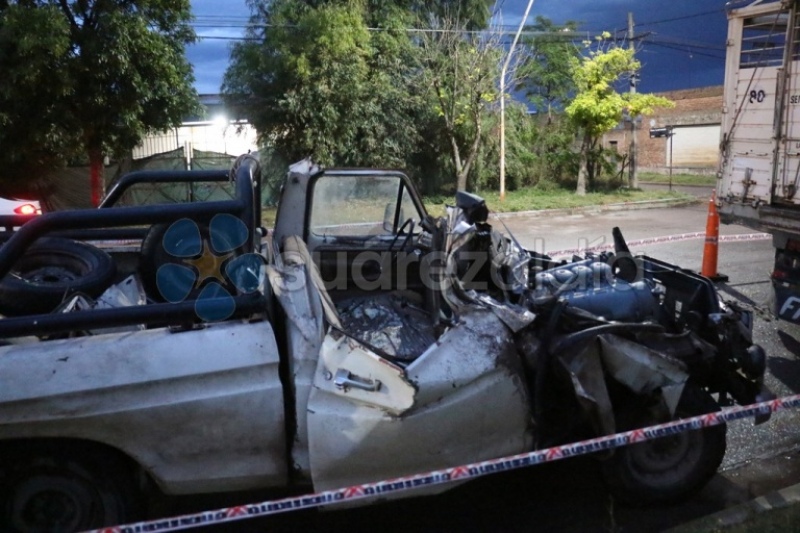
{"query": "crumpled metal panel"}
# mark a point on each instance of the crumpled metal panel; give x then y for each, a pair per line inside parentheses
(471, 404)
(515, 317)
(126, 293)
(589, 382)
(390, 323)
(639, 368)
(504, 254)
(644, 370)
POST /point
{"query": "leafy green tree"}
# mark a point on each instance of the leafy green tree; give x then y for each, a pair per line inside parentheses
(539, 152)
(32, 135)
(460, 71)
(546, 72)
(100, 73)
(471, 14)
(597, 107)
(319, 83)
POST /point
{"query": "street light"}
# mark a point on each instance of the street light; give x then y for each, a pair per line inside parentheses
(503, 102)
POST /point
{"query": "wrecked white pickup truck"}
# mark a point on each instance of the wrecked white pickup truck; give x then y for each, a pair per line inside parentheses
(362, 339)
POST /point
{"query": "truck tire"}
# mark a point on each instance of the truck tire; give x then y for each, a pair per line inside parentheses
(668, 469)
(50, 271)
(64, 489)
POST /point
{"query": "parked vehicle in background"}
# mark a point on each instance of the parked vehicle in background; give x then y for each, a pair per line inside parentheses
(363, 339)
(10, 206)
(760, 159)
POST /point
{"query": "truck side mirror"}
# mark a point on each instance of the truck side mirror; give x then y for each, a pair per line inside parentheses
(388, 217)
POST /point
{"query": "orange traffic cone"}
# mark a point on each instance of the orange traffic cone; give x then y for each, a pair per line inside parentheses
(711, 249)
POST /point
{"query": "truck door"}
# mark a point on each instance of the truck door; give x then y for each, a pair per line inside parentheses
(462, 400)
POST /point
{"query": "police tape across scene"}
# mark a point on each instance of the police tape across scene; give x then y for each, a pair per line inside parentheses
(458, 473)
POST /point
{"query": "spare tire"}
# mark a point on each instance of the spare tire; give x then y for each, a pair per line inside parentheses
(190, 238)
(50, 271)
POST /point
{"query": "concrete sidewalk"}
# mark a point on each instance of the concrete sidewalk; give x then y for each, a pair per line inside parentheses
(600, 208)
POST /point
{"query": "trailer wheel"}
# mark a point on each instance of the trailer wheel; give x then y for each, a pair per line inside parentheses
(48, 489)
(671, 468)
(51, 270)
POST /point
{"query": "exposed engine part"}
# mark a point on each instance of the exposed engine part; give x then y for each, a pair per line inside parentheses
(592, 286)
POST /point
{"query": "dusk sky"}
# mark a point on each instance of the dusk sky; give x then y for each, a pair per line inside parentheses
(683, 41)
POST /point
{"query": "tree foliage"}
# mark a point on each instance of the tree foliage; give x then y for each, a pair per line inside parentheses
(597, 106)
(320, 84)
(471, 14)
(539, 152)
(460, 72)
(33, 136)
(99, 74)
(546, 73)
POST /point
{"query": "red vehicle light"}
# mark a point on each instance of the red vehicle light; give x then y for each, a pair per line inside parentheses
(26, 209)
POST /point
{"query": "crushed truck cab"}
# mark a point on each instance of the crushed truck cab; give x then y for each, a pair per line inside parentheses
(360, 339)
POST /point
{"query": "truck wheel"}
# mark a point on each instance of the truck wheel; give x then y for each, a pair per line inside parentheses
(51, 270)
(47, 489)
(672, 468)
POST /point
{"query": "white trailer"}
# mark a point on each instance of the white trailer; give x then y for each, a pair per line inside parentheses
(760, 140)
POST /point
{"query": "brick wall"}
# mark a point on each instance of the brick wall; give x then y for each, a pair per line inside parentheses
(701, 106)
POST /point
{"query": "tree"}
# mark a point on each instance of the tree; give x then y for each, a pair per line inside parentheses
(111, 71)
(319, 83)
(471, 14)
(597, 107)
(459, 69)
(32, 135)
(546, 72)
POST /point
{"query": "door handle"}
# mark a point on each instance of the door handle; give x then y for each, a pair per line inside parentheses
(345, 380)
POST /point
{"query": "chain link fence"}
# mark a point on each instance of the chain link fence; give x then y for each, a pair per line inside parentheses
(70, 187)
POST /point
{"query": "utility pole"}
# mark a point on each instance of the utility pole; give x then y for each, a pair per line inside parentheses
(503, 102)
(633, 178)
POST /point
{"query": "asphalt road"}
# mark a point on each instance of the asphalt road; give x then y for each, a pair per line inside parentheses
(569, 495)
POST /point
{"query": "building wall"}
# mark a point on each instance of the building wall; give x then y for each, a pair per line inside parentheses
(696, 116)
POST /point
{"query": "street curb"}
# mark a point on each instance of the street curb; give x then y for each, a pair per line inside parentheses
(601, 208)
(710, 186)
(740, 513)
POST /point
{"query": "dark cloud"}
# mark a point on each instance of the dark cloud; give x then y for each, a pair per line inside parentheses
(682, 44)
(682, 41)
(215, 22)
(210, 59)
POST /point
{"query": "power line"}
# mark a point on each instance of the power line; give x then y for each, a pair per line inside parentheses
(245, 21)
(214, 21)
(574, 35)
(685, 17)
(227, 38)
(687, 50)
(687, 46)
(688, 42)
